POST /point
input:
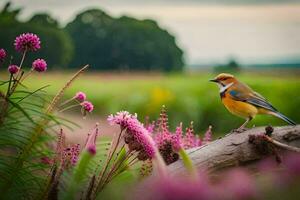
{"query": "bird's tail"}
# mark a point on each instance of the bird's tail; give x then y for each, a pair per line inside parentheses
(283, 117)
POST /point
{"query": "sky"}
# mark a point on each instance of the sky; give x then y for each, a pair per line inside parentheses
(209, 31)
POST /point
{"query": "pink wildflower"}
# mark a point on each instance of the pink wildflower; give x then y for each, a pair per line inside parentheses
(121, 118)
(190, 140)
(237, 184)
(2, 55)
(27, 42)
(90, 145)
(163, 121)
(149, 126)
(70, 154)
(136, 134)
(173, 188)
(177, 139)
(80, 96)
(13, 69)
(39, 65)
(293, 164)
(87, 106)
(208, 135)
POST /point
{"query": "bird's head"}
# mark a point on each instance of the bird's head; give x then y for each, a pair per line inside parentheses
(224, 79)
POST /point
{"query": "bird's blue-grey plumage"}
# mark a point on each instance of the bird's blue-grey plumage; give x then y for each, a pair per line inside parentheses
(242, 92)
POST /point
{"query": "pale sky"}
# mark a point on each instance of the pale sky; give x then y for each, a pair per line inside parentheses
(209, 31)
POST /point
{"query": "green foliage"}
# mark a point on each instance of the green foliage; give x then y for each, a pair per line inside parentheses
(96, 38)
(123, 43)
(80, 173)
(20, 150)
(56, 46)
(187, 97)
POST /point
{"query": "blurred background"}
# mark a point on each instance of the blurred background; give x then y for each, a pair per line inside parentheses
(145, 54)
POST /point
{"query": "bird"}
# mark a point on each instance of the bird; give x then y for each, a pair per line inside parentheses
(242, 101)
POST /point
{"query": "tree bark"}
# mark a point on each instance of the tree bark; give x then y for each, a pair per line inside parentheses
(234, 149)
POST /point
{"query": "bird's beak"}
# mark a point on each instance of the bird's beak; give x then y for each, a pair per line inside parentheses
(213, 80)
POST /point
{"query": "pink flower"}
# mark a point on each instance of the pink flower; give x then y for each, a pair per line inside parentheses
(70, 155)
(90, 145)
(87, 106)
(2, 55)
(13, 69)
(140, 136)
(173, 188)
(177, 139)
(39, 65)
(120, 118)
(190, 140)
(208, 135)
(27, 42)
(149, 126)
(292, 163)
(237, 184)
(80, 96)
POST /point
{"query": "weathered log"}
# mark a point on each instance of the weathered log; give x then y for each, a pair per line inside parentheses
(235, 149)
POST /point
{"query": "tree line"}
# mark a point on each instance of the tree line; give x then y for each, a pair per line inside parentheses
(96, 38)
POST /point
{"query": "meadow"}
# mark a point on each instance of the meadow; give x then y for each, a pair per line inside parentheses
(187, 97)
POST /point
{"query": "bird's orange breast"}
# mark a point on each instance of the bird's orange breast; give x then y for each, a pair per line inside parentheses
(239, 108)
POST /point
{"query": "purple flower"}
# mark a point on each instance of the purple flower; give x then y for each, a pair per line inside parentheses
(87, 106)
(137, 137)
(27, 42)
(70, 154)
(13, 69)
(39, 65)
(80, 96)
(2, 55)
(90, 145)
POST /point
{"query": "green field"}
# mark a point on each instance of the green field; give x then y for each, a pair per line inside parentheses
(187, 97)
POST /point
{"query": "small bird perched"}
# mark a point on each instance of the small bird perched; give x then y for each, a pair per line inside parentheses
(242, 101)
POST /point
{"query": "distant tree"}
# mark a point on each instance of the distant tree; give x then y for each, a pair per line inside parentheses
(231, 66)
(44, 19)
(122, 43)
(56, 43)
(8, 14)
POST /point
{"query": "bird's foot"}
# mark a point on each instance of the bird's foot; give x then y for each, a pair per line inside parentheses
(239, 130)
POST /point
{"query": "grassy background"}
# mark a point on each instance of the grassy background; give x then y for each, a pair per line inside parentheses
(188, 97)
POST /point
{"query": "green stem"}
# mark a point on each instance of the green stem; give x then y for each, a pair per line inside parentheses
(67, 101)
(122, 159)
(188, 163)
(9, 84)
(23, 58)
(108, 161)
(69, 107)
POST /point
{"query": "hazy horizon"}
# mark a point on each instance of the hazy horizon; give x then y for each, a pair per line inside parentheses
(208, 31)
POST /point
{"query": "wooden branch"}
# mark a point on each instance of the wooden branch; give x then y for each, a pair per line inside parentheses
(235, 149)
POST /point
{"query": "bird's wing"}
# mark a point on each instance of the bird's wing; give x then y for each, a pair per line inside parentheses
(242, 92)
